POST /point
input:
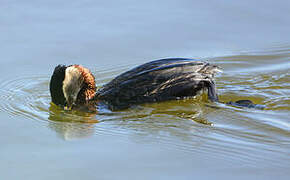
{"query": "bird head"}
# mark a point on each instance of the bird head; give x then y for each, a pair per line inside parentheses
(72, 86)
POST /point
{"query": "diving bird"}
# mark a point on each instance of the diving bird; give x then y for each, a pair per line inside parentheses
(73, 86)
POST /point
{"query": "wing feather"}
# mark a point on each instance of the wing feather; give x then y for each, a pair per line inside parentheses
(157, 81)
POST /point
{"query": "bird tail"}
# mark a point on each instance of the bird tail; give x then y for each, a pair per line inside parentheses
(210, 69)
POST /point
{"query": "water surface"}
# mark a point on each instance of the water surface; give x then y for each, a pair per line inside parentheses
(181, 139)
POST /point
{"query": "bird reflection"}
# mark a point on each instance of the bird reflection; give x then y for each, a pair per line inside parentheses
(149, 119)
(71, 125)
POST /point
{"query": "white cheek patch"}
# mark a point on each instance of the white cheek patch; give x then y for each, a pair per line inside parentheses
(72, 83)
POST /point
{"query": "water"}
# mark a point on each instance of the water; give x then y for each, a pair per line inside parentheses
(182, 139)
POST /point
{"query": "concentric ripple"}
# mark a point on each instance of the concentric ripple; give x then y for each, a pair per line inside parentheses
(25, 96)
(29, 97)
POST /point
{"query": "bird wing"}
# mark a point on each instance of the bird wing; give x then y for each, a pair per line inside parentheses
(157, 81)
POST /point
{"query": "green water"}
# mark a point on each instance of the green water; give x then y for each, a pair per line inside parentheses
(184, 139)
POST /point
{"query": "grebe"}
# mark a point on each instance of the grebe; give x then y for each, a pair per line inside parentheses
(73, 87)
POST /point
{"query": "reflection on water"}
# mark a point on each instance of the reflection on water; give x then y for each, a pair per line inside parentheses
(71, 125)
(183, 139)
(29, 96)
(192, 125)
(59, 114)
(72, 130)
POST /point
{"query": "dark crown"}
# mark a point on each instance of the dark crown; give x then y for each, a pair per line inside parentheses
(55, 86)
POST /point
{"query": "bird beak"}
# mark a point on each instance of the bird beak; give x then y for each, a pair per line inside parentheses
(67, 108)
(69, 105)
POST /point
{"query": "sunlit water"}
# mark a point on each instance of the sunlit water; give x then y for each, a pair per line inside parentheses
(192, 125)
(174, 139)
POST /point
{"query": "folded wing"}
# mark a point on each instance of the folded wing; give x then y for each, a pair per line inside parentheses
(159, 80)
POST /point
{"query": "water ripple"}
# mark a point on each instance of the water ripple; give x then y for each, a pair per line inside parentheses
(25, 96)
(189, 125)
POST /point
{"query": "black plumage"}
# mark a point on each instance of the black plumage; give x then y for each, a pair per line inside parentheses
(159, 80)
(56, 83)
